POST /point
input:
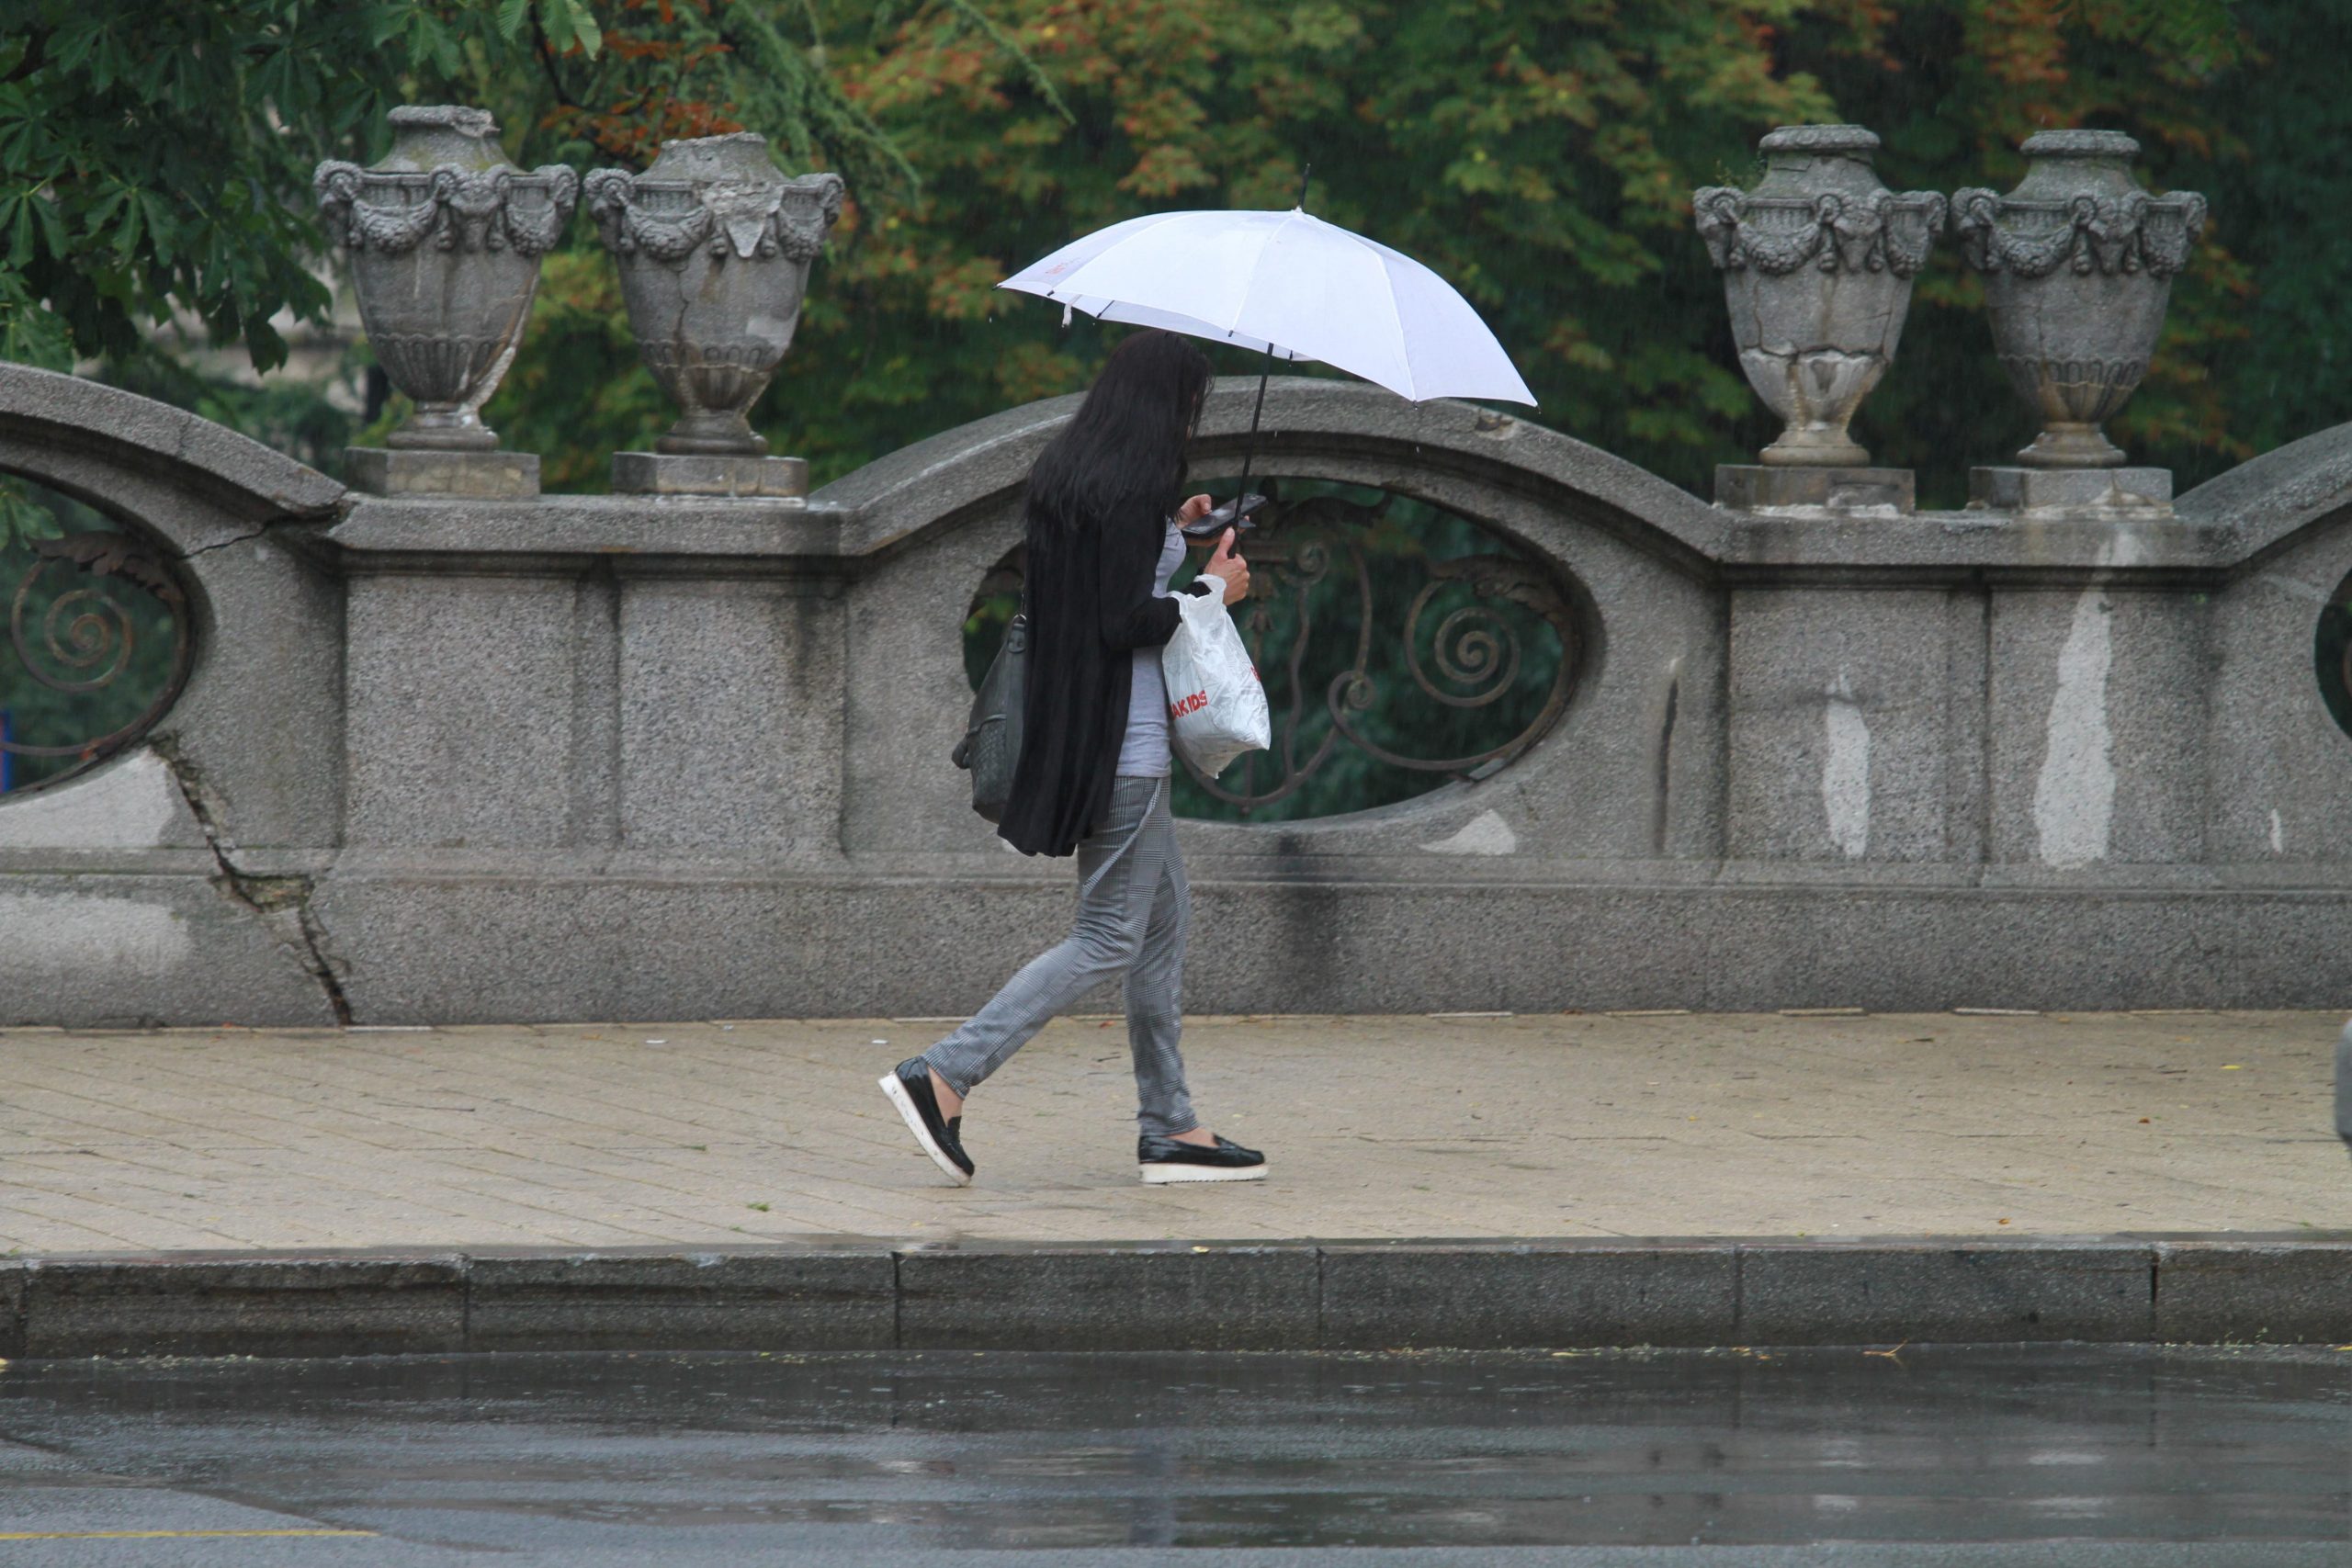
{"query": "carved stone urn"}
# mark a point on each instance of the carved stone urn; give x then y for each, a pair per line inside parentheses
(1818, 261)
(2078, 263)
(445, 238)
(713, 245)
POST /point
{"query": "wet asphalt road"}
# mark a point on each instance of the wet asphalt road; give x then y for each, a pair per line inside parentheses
(2060, 1457)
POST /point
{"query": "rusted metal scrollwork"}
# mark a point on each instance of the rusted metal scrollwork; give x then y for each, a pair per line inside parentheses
(84, 640)
(1315, 549)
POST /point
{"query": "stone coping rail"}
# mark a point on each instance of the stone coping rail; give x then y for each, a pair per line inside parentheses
(847, 1293)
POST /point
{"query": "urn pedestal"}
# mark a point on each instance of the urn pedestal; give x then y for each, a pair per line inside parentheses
(2077, 265)
(1818, 261)
(713, 245)
(445, 238)
(1858, 492)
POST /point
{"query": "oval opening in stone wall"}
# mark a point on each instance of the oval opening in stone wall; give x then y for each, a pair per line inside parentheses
(98, 640)
(1402, 647)
(2332, 650)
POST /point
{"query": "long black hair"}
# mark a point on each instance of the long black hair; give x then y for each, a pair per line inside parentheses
(1120, 460)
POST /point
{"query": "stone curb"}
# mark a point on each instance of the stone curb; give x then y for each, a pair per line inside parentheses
(843, 1294)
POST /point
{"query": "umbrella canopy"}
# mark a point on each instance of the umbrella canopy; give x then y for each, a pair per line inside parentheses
(1289, 285)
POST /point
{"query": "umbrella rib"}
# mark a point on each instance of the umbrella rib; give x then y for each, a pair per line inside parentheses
(1405, 350)
(1263, 246)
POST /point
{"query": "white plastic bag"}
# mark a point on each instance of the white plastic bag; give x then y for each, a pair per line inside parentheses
(1217, 708)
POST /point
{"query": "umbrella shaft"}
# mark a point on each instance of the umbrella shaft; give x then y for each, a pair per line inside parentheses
(1250, 453)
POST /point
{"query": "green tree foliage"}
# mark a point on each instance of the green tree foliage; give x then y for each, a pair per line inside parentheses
(1541, 157)
(159, 157)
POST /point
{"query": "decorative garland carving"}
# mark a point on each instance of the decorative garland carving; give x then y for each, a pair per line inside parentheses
(1884, 231)
(667, 219)
(2122, 234)
(395, 212)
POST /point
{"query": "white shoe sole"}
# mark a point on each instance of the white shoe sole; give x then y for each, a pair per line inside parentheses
(912, 1114)
(1168, 1175)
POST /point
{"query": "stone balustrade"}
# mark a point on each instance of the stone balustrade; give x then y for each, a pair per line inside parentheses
(446, 758)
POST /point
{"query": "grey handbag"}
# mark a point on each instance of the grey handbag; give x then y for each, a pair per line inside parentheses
(991, 743)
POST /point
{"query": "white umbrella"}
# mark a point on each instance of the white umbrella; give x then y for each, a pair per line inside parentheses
(1290, 286)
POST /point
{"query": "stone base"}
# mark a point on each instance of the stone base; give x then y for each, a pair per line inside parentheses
(663, 473)
(2140, 493)
(492, 475)
(1754, 487)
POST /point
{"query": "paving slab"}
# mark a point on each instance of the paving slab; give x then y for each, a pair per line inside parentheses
(1377, 1128)
(1454, 1180)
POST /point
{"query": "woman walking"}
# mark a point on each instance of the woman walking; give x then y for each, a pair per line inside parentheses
(1094, 770)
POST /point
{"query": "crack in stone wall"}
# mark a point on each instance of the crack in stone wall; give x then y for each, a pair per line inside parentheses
(282, 902)
(236, 540)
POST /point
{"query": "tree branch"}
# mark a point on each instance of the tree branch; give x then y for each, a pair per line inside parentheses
(36, 56)
(545, 51)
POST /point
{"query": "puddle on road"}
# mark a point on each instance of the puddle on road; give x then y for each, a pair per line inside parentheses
(999, 1450)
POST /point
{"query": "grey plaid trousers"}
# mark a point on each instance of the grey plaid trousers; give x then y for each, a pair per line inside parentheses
(1133, 907)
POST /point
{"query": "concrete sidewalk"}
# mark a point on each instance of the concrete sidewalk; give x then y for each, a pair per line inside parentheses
(745, 1184)
(1562, 1125)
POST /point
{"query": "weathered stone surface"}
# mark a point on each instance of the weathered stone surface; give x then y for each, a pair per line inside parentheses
(461, 694)
(173, 943)
(76, 421)
(482, 476)
(730, 704)
(1818, 261)
(1161, 1296)
(2094, 747)
(2280, 766)
(191, 1304)
(127, 804)
(665, 473)
(670, 754)
(713, 245)
(1854, 492)
(576, 533)
(444, 239)
(2264, 499)
(543, 943)
(256, 730)
(1838, 1294)
(258, 735)
(1851, 733)
(2031, 491)
(2292, 1292)
(1116, 1298)
(1499, 1296)
(720, 1299)
(2077, 264)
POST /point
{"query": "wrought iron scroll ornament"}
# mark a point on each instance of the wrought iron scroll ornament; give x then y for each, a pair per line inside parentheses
(1475, 653)
(84, 641)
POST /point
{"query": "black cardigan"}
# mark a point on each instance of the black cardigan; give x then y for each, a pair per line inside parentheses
(1090, 606)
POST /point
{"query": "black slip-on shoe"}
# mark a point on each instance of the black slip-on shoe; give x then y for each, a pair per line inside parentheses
(908, 1087)
(1162, 1160)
